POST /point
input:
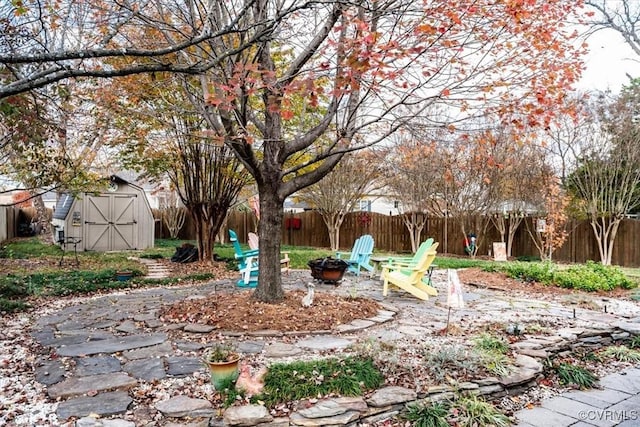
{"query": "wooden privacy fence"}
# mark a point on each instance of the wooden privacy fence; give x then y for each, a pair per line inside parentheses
(391, 235)
(10, 217)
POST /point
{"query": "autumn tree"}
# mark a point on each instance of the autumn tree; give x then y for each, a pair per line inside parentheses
(38, 150)
(549, 231)
(338, 193)
(608, 174)
(465, 190)
(45, 43)
(515, 176)
(365, 68)
(411, 177)
(162, 129)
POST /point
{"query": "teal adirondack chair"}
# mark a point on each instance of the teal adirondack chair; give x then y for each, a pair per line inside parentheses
(359, 257)
(247, 263)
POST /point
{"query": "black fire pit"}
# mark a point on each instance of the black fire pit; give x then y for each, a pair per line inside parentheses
(328, 270)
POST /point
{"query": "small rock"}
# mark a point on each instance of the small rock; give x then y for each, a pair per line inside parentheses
(391, 395)
(183, 406)
(247, 415)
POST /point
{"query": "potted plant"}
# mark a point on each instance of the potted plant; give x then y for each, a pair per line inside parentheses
(124, 275)
(223, 362)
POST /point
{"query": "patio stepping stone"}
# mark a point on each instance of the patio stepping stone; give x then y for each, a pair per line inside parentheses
(50, 372)
(181, 366)
(146, 369)
(75, 386)
(250, 347)
(159, 350)
(324, 342)
(104, 404)
(96, 365)
(112, 345)
(279, 349)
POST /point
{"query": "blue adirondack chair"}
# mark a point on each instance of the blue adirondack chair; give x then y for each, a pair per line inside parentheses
(247, 263)
(359, 257)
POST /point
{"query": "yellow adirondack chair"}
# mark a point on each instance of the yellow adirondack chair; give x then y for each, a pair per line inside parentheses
(409, 277)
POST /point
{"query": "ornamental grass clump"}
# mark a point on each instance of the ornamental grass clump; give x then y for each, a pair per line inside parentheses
(622, 353)
(285, 382)
(576, 375)
(433, 414)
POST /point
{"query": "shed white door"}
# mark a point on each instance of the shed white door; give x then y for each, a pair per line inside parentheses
(110, 223)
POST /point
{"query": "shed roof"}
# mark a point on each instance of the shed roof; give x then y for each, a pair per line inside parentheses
(63, 205)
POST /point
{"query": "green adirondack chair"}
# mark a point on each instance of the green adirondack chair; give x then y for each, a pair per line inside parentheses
(360, 255)
(410, 279)
(399, 263)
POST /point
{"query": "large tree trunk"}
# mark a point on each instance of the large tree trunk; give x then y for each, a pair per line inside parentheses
(41, 215)
(269, 287)
(514, 223)
(333, 221)
(605, 230)
(207, 225)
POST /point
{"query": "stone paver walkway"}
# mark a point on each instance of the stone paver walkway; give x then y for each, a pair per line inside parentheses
(617, 403)
(117, 341)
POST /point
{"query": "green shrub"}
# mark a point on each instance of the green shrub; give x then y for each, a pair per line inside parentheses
(13, 287)
(304, 379)
(11, 306)
(541, 272)
(635, 342)
(427, 415)
(491, 343)
(496, 363)
(591, 276)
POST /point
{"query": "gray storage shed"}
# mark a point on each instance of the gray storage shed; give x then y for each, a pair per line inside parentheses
(118, 219)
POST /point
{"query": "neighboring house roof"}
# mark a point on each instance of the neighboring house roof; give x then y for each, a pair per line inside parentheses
(288, 204)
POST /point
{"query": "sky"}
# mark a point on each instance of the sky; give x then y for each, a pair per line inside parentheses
(607, 63)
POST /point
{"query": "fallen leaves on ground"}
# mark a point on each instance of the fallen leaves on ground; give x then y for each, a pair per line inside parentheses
(238, 311)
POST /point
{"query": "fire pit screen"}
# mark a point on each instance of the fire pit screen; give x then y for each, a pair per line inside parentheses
(328, 270)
